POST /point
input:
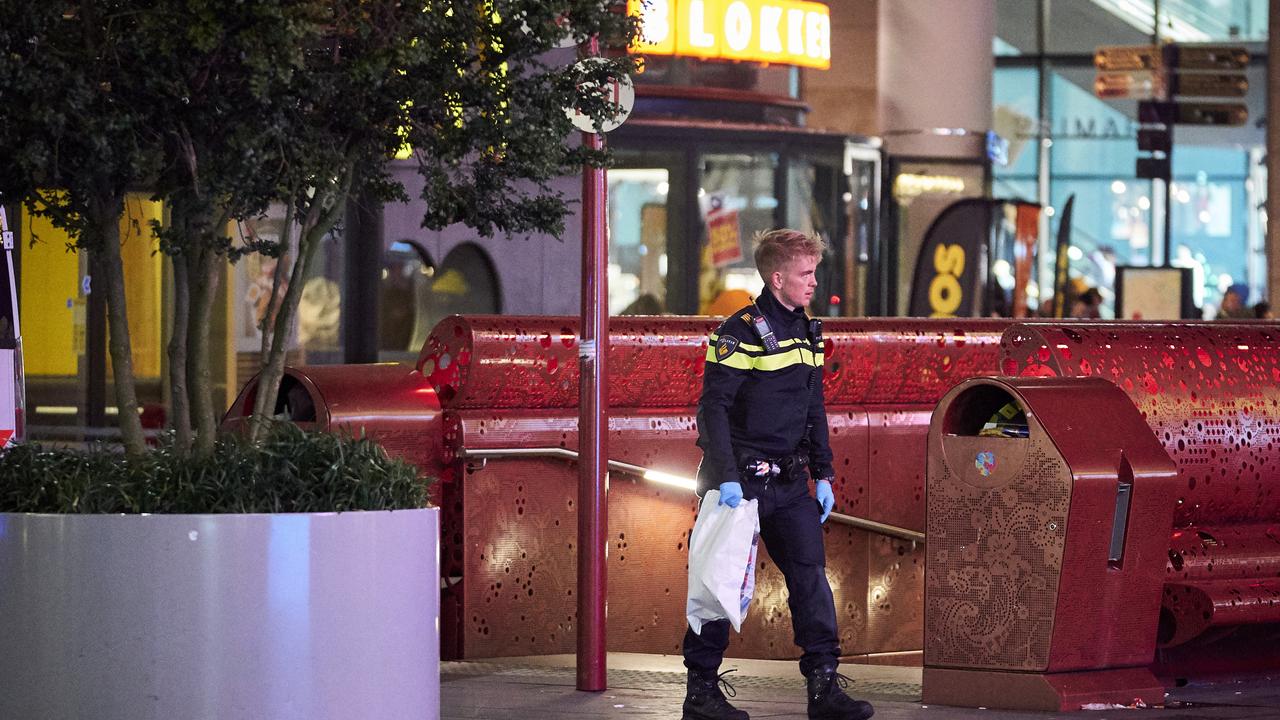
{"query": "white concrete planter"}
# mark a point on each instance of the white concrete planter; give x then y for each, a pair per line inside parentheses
(168, 617)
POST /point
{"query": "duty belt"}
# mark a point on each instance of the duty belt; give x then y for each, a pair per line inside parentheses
(784, 469)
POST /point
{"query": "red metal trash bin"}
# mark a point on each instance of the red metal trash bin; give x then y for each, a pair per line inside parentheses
(1048, 509)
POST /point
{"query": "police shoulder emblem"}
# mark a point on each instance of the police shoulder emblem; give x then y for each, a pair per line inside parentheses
(725, 346)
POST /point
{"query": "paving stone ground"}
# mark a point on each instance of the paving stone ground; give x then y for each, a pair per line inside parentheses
(652, 686)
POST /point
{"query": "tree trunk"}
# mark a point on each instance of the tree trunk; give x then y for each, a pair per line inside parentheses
(278, 278)
(179, 406)
(318, 222)
(204, 287)
(273, 368)
(111, 268)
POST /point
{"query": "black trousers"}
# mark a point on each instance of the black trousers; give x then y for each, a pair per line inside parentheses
(792, 533)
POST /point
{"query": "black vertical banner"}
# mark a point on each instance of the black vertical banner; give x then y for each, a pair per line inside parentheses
(946, 282)
(1062, 260)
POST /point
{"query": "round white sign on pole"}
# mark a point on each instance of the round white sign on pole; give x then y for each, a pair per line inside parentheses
(621, 93)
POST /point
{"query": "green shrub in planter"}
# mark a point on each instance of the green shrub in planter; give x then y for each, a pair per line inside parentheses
(289, 471)
(167, 586)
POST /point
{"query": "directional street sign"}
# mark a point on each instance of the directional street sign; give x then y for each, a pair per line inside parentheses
(1208, 71)
(1209, 57)
(1132, 84)
(1186, 74)
(1174, 85)
(1127, 57)
(1210, 84)
(1212, 114)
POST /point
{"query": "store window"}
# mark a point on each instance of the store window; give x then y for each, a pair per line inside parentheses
(1215, 201)
(737, 199)
(466, 284)
(320, 307)
(1215, 205)
(816, 204)
(1119, 217)
(1218, 230)
(1079, 26)
(861, 205)
(683, 215)
(639, 261)
(415, 294)
(54, 294)
(404, 300)
(316, 338)
(1015, 117)
(921, 190)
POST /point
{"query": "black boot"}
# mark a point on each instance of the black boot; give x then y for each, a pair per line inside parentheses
(704, 701)
(828, 702)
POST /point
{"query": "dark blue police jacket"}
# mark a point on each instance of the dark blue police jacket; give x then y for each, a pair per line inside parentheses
(758, 402)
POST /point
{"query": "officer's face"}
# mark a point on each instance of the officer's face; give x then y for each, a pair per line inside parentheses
(794, 284)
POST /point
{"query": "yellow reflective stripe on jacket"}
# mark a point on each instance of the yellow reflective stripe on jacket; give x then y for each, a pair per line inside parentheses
(737, 360)
(775, 361)
(792, 341)
(787, 358)
(714, 338)
(741, 345)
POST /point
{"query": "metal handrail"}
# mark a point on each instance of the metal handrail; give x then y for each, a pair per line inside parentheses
(644, 473)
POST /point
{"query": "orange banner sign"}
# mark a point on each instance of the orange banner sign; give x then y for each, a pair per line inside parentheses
(787, 32)
(724, 237)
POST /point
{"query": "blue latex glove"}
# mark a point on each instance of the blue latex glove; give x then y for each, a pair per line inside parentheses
(826, 498)
(730, 494)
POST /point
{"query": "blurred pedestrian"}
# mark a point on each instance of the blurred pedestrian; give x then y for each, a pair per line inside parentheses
(726, 302)
(1262, 310)
(1233, 306)
(646, 304)
(1088, 305)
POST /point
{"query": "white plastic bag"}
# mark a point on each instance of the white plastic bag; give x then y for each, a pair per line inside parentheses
(722, 562)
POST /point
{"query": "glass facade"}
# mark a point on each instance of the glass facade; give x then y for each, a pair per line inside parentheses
(639, 257)
(404, 300)
(315, 337)
(1085, 147)
(737, 189)
(415, 293)
(1121, 22)
(683, 212)
(55, 290)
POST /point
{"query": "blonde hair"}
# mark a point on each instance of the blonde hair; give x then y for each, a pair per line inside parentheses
(775, 248)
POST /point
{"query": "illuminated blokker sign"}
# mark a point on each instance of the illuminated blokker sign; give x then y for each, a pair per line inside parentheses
(788, 32)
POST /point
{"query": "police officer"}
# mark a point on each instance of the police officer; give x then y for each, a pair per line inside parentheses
(762, 427)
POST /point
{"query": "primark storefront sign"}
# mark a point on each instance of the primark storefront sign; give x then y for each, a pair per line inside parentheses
(1095, 128)
(786, 32)
(1085, 128)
